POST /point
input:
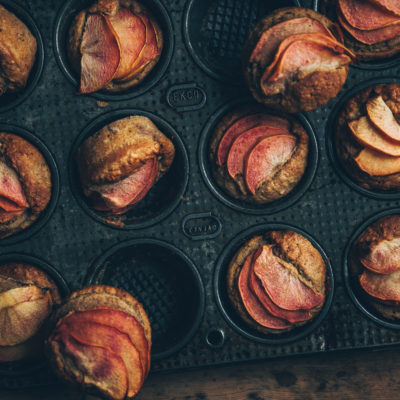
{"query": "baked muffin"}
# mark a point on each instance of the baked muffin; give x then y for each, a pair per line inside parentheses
(119, 164)
(17, 52)
(371, 27)
(101, 342)
(277, 281)
(27, 297)
(374, 262)
(113, 45)
(367, 137)
(294, 60)
(258, 156)
(26, 184)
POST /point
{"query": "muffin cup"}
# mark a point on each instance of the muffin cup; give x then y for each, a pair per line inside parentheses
(64, 20)
(164, 280)
(215, 41)
(242, 206)
(11, 100)
(378, 64)
(163, 197)
(55, 185)
(28, 367)
(354, 290)
(226, 308)
(330, 142)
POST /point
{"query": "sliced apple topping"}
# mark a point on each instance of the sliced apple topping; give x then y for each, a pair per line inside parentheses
(375, 163)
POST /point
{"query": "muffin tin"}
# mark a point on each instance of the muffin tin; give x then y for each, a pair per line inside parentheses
(194, 235)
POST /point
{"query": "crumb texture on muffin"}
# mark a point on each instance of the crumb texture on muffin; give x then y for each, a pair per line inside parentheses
(277, 281)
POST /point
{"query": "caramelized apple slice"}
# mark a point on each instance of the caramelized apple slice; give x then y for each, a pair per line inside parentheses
(12, 197)
(365, 15)
(367, 135)
(92, 366)
(131, 32)
(268, 304)
(119, 343)
(244, 143)
(381, 116)
(382, 287)
(374, 163)
(267, 157)
(100, 54)
(390, 5)
(282, 286)
(244, 124)
(252, 305)
(122, 322)
(384, 258)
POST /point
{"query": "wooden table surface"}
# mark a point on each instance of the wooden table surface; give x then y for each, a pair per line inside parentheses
(346, 375)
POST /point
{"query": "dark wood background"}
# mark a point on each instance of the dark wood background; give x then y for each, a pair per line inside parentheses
(347, 375)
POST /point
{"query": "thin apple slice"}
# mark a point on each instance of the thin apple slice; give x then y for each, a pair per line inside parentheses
(91, 366)
(369, 136)
(244, 124)
(282, 286)
(390, 5)
(383, 287)
(374, 163)
(243, 145)
(12, 196)
(384, 257)
(131, 32)
(100, 54)
(122, 322)
(251, 303)
(266, 158)
(99, 335)
(381, 116)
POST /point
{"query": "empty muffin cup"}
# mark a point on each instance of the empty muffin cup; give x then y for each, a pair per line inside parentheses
(31, 365)
(163, 197)
(55, 185)
(331, 131)
(240, 204)
(63, 22)
(328, 8)
(236, 320)
(166, 283)
(11, 99)
(356, 293)
(215, 32)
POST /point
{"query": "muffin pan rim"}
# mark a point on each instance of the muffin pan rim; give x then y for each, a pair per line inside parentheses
(230, 250)
(351, 291)
(149, 82)
(55, 184)
(99, 261)
(29, 21)
(275, 206)
(115, 115)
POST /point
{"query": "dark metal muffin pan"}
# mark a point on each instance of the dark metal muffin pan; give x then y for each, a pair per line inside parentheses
(11, 99)
(201, 226)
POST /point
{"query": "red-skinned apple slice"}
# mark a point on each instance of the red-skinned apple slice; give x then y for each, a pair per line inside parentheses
(381, 116)
(131, 33)
(244, 124)
(364, 15)
(243, 145)
(375, 163)
(390, 5)
(266, 157)
(100, 54)
(384, 258)
(252, 305)
(282, 286)
(265, 300)
(371, 137)
(122, 322)
(383, 287)
(93, 366)
(12, 197)
(99, 335)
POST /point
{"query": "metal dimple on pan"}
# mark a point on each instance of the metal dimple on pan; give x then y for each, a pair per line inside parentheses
(71, 241)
